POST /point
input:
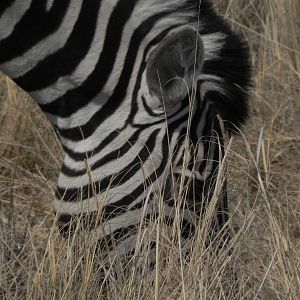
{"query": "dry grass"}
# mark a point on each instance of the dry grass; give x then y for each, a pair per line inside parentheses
(36, 263)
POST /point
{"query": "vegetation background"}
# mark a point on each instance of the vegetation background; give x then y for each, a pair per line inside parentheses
(263, 168)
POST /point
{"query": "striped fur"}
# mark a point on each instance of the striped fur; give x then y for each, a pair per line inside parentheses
(85, 64)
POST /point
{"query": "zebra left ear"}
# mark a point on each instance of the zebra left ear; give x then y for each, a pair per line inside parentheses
(174, 65)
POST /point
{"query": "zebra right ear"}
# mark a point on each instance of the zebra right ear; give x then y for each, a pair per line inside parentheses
(174, 65)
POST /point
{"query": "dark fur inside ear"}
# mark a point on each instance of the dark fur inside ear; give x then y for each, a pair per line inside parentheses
(174, 65)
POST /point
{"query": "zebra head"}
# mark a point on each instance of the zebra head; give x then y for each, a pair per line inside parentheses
(146, 136)
(133, 89)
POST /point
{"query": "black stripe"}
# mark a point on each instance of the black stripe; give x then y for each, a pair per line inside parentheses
(66, 59)
(143, 126)
(75, 194)
(79, 97)
(36, 24)
(4, 4)
(76, 134)
(115, 154)
(77, 156)
(197, 116)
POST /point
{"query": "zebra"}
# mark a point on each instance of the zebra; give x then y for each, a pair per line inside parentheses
(125, 84)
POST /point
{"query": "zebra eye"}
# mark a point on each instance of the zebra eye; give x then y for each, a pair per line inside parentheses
(174, 65)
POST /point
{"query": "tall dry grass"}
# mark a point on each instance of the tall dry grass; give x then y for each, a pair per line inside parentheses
(263, 164)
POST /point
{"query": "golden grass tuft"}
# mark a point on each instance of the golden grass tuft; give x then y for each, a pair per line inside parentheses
(263, 169)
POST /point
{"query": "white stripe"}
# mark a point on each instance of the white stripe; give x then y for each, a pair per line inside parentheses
(115, 166)
(45, 47)
(83, 70)
(12, 16)
(49, 4)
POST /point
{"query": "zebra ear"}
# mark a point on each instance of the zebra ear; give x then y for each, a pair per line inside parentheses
(174, 65)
